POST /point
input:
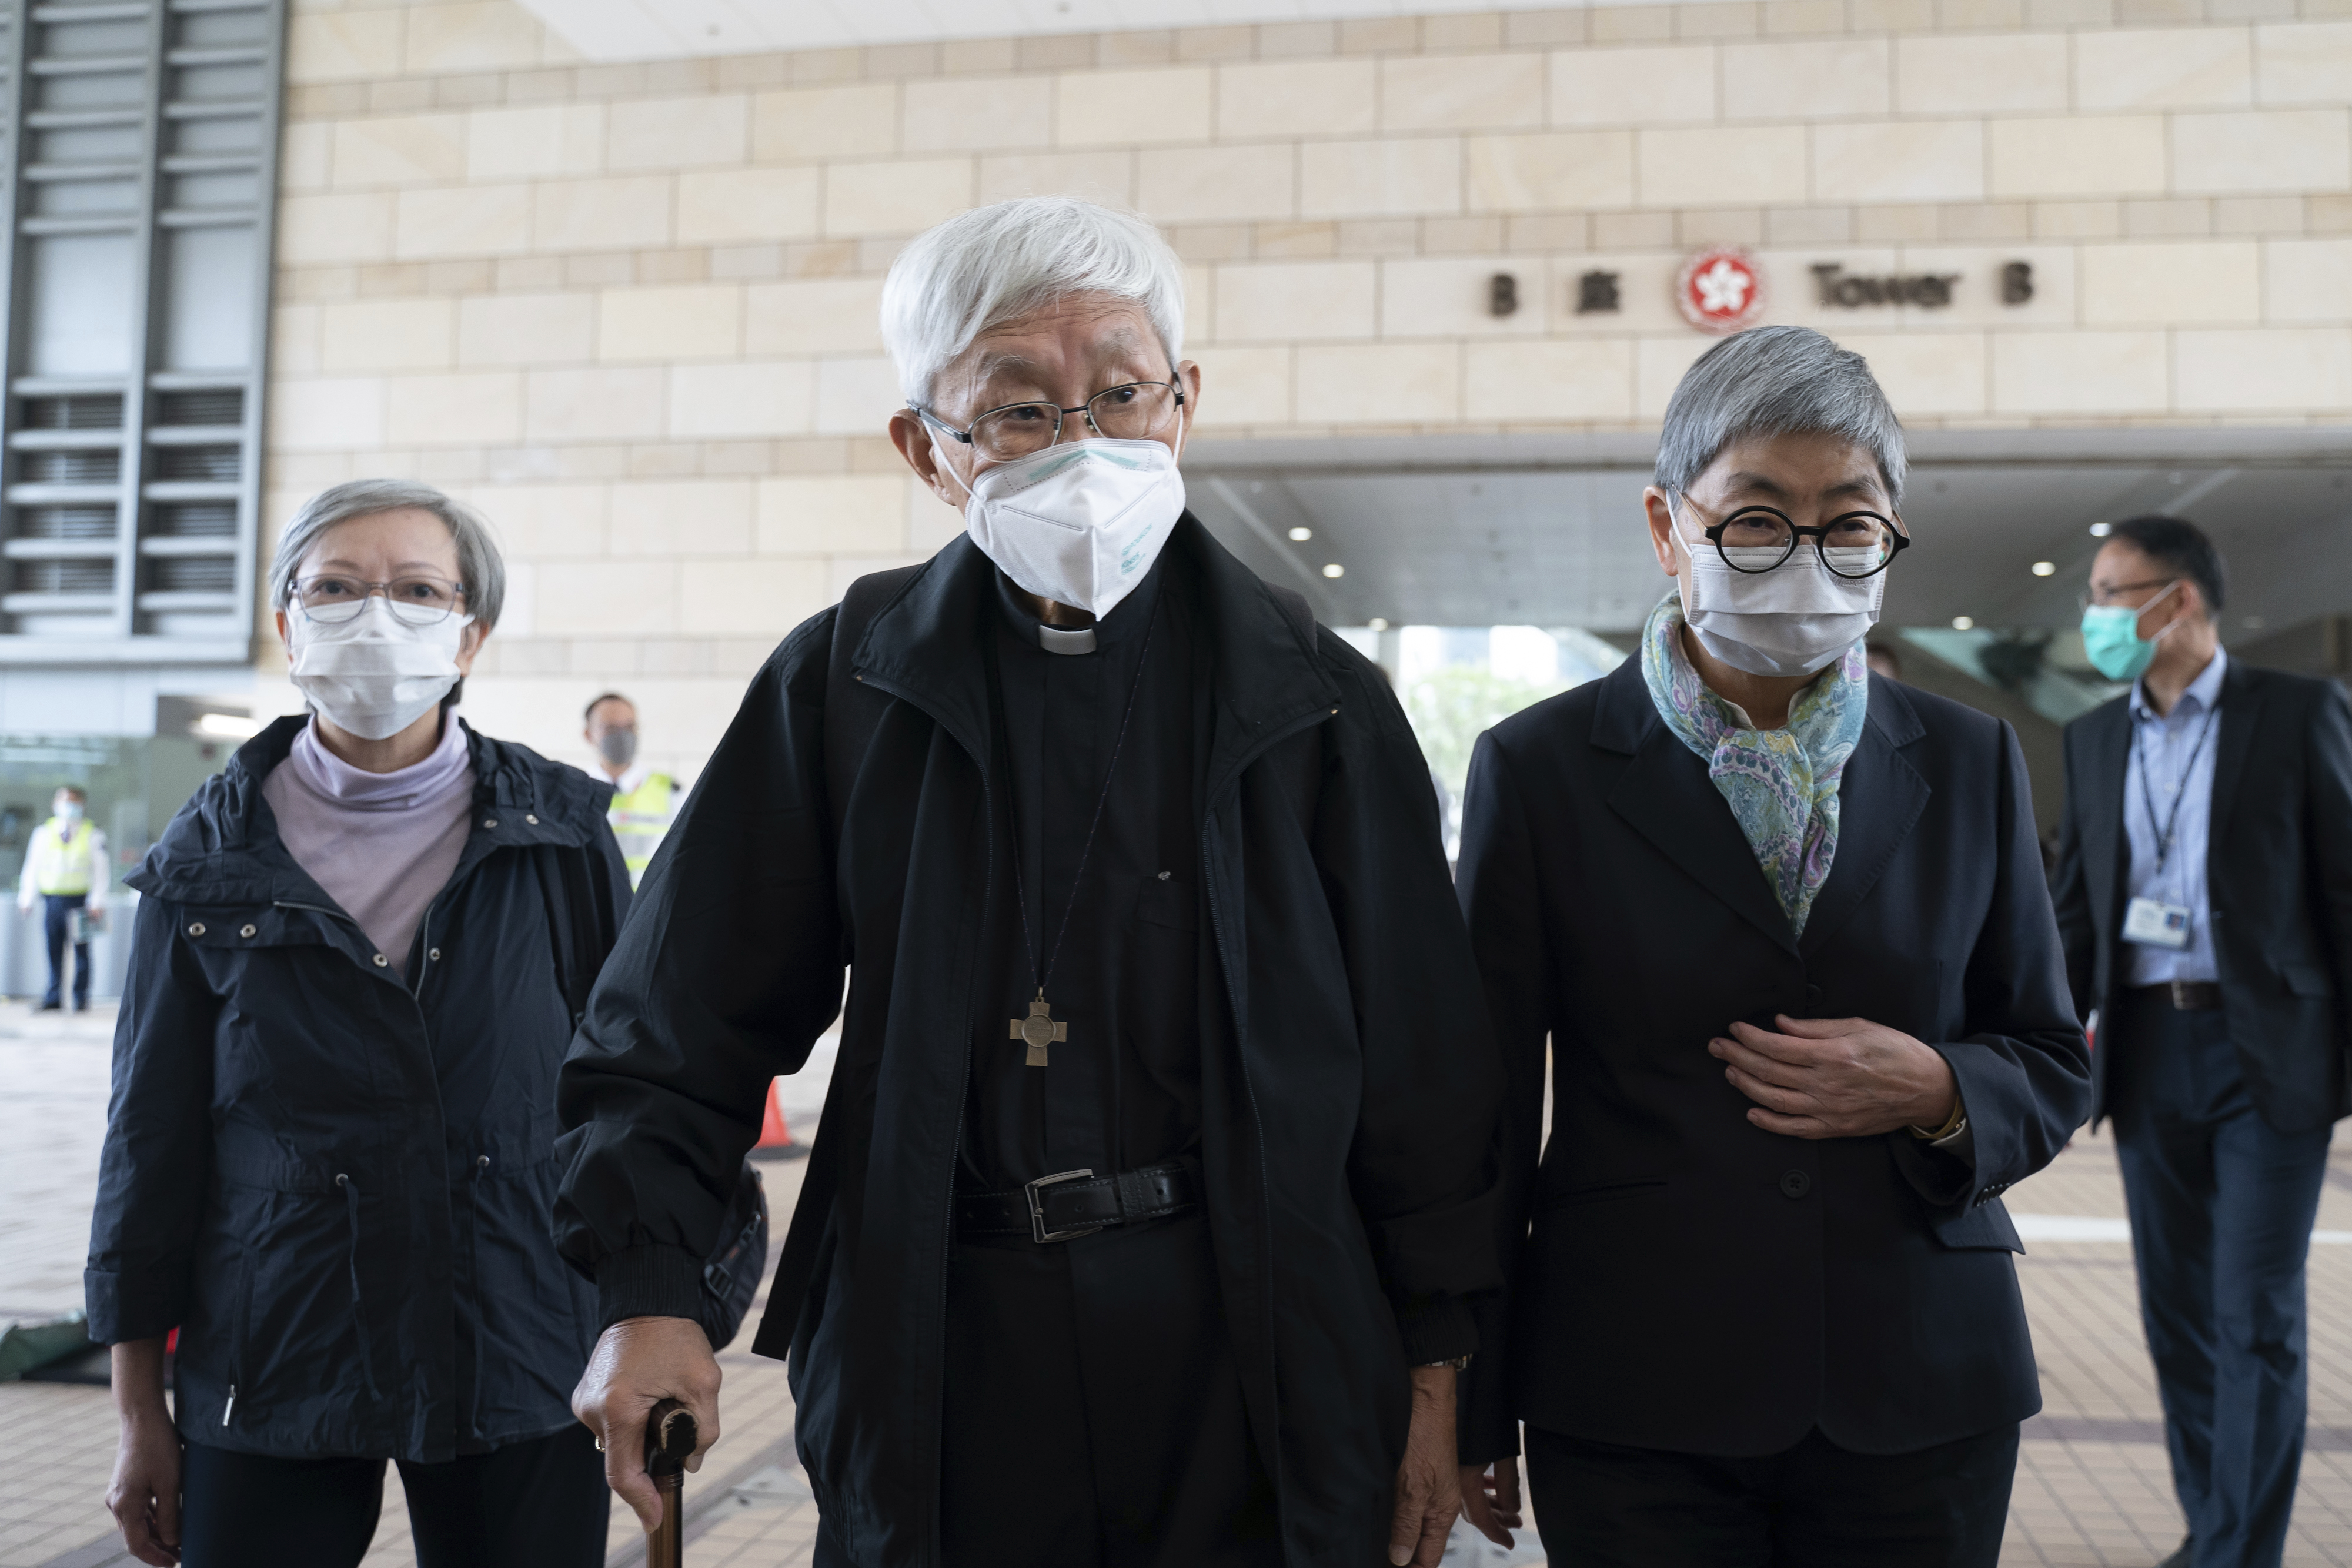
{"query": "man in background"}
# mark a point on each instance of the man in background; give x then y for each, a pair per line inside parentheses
(2204, 893)
(65, 867)
(643, 800)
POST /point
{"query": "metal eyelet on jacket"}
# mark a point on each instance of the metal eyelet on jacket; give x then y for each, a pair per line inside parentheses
(248, 931)
(489, 821)
(195, 927)
(532, 820)
(433, 955)
(382, 962)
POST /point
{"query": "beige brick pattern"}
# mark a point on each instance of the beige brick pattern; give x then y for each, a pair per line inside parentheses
(631, 309)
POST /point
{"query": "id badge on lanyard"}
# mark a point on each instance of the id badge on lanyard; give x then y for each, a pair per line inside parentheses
(2152, 922)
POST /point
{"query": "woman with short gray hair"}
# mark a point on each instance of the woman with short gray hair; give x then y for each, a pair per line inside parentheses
(1781, 926)
(329, 1163)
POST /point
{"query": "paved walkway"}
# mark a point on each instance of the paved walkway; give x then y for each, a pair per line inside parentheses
(2092, 1487)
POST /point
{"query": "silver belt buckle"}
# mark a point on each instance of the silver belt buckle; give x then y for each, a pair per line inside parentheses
(1037, 1232)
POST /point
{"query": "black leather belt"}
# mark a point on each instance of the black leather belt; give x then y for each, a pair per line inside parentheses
(2183, 996)
(1077, 1203)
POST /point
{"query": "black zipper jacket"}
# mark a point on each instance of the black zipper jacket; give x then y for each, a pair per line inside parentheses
(336, 1184)
(1349, 1093)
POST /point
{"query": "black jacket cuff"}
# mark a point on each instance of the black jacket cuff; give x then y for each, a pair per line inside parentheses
(1435, 1329)
(648, 1282)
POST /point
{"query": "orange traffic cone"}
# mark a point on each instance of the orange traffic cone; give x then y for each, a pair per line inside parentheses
(775, 1138)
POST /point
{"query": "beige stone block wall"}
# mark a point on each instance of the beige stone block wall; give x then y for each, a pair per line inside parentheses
(629, 310)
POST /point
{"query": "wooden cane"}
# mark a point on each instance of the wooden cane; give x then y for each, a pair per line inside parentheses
(669, 1442)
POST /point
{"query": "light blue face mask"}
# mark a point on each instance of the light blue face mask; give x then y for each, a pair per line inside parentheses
(2111, 637)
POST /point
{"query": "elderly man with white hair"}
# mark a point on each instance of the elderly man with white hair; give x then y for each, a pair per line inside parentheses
(1156, 1175)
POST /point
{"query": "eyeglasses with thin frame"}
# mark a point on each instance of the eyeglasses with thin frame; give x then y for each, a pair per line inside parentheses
(331, 600)
(1759, 539)
(2105, 596)
(1127, 412)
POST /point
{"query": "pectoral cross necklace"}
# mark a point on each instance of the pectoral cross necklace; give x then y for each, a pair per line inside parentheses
(1041, 1028)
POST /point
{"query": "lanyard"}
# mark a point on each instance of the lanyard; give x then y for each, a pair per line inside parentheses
(2179, 790)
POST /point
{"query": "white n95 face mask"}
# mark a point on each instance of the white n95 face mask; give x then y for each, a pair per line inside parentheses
(374, 675)
(1789, 621)
(1078, 523)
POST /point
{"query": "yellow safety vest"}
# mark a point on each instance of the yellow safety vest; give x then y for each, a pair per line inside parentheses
(639, 820)
(62, 864)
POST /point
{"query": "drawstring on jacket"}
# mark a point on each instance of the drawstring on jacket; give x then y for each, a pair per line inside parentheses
(359, 1319)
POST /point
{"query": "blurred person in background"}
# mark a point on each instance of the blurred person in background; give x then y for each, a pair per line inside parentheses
(1883, 659)
(643, 800)
(66, 869)
(1163, 1066)
(329, 1157)
(2205, 891)
(1784, 927)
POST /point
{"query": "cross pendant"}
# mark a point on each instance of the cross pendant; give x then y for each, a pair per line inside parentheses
(1038, 1030)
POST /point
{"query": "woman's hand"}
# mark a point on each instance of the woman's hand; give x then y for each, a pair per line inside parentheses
(144, 1495)
(1490, 1499)
(1837, 1078)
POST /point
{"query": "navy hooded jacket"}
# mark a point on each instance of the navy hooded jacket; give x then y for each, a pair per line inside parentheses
(336, 1183)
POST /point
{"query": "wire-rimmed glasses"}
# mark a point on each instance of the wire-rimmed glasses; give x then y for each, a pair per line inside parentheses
(331, 600)
(1854, 545)
(1128, 412)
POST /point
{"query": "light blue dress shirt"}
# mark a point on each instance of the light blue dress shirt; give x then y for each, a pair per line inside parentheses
(2161, 761)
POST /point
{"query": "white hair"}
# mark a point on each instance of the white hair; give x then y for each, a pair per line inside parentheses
(1776, 381)
(993, 265)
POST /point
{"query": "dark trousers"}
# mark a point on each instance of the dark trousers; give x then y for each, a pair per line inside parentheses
(539, 1503)
(2221, 1209)
(56, 925)
(1093, 1412)
(1600, 1505)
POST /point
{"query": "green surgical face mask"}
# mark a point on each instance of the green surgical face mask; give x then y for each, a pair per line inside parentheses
(2111, 637)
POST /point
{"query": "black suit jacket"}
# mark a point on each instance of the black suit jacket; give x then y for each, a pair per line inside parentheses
(1686, 1281)
(2278, 880)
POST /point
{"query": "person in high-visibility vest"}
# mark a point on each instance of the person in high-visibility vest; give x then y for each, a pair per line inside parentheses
(643, 800)
(65, 867)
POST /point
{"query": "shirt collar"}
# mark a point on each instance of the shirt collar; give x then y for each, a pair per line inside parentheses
(2205, 691)
(632, 780)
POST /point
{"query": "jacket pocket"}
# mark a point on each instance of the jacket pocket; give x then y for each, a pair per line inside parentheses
(1602, 1192)
(1983, 1226)
(2306, 979)
(1170, 903)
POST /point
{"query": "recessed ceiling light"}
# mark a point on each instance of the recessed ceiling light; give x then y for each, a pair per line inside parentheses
(2100, 530)
(2045, 568)
(1335, 569)
(1378, 625)
(228, 726)
(1300, 536)
(1964, 623)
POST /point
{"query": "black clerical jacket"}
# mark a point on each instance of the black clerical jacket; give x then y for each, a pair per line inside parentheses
(1350, 1088)
(1686, 1281)
(2278, 882)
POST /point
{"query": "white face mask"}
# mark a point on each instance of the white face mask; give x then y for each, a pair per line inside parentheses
(1789, 621)
(374, 675)
(1079, 523)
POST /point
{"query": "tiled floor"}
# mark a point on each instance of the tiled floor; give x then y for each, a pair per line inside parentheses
(2092, 1486)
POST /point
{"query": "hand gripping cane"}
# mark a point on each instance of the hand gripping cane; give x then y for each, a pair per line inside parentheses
(669, 1442)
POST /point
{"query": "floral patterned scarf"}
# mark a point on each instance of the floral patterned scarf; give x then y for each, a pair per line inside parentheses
(1782, 784)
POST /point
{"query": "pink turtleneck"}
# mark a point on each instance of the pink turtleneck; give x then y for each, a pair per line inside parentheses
(382, 845)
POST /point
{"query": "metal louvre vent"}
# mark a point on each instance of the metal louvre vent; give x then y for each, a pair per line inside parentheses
(212, 462)
(197, 520)
(65, 523)
(217, 405)
(64, 577)
(84, 465)
(196, 574)
(94, 411)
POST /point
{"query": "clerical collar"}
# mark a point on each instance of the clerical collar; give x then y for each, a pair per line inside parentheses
(1124, 623)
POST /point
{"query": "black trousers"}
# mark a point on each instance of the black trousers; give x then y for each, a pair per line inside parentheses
(57, 918)
(2221, 1208)
(1598, 1505)
(1093, 1413)
(539, 1503)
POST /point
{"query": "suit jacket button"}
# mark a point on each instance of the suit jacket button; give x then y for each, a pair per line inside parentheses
(1813, 996)
(1795, 1184)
